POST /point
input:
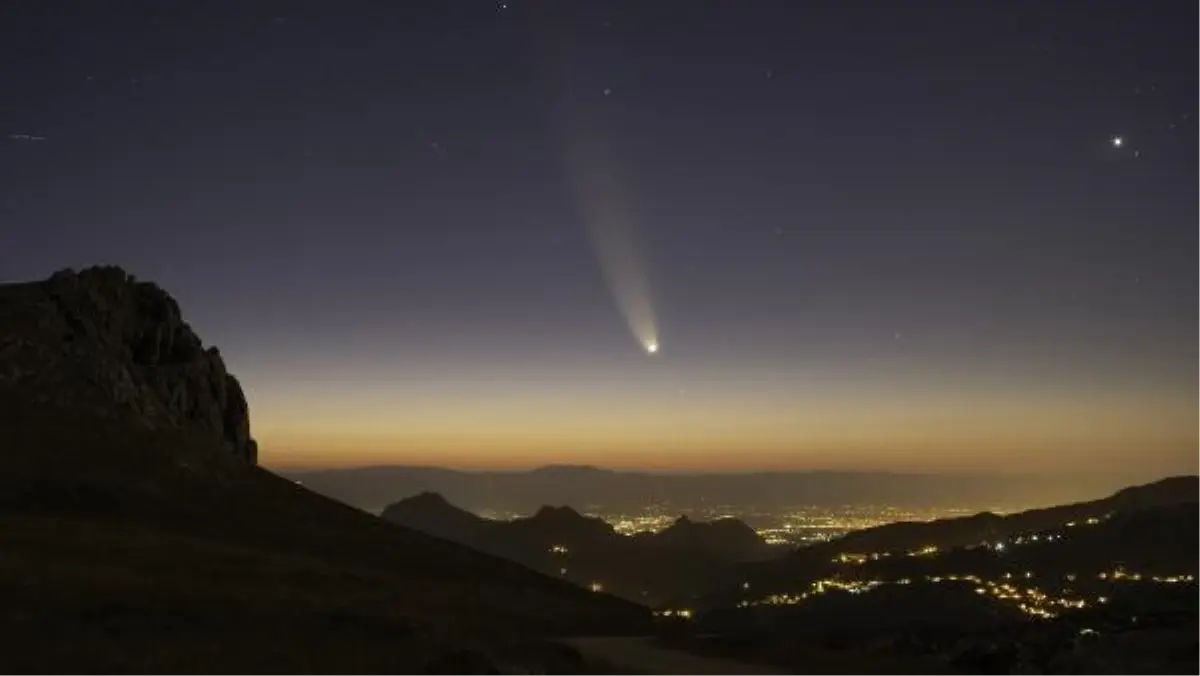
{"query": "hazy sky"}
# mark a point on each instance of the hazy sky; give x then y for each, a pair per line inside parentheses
(934, 235)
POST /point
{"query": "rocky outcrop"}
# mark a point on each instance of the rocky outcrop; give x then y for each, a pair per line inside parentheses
(101, 341)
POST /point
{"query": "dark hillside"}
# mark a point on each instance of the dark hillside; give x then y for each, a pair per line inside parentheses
(138, 536)
(679, 562)
(972, 530)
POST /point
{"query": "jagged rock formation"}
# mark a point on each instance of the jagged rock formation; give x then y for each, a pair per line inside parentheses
(102, 342)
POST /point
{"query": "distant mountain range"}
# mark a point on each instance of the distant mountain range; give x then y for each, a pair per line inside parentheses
(650, 568)
(589, 488)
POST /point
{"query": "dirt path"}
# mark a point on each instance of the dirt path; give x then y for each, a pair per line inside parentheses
(644, 656)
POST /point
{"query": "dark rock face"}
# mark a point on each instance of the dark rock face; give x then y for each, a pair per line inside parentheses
(102, 341)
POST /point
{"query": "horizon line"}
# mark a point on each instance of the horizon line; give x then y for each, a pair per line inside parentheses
(692, 471)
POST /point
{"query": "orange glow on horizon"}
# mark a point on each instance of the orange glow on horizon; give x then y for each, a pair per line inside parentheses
(745, 422)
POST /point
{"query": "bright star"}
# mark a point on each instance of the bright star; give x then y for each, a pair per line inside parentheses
(1118, 141)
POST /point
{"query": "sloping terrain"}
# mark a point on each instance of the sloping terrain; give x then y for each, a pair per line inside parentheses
(942, 534)
(1053, 600)
(971, 530)
(136, 535)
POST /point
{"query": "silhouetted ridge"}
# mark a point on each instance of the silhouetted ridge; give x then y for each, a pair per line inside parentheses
(645, 567)
(371, 488)
(970, 530)
(570, 469)
(431, 513)
(727, 538)
(565, 522)
(102, 343)
(427, 500)
(563, 514)
(430, 505)
(1172, 490)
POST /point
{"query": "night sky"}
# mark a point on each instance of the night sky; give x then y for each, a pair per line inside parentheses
(909, 236)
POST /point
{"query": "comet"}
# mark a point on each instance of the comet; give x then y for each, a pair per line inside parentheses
(607, 211)
(603, 200)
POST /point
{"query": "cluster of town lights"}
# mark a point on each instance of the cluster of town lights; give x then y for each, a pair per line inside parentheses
(1029, 599)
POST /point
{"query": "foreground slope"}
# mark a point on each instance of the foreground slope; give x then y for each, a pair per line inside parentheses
(139, 536)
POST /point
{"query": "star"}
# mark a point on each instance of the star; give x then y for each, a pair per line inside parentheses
(1118, 141)
(607, 91)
